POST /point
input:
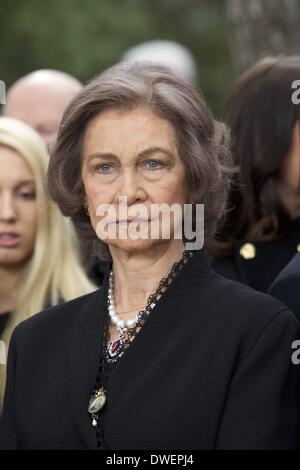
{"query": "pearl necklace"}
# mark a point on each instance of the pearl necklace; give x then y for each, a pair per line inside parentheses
(122, 325)
(115, 348)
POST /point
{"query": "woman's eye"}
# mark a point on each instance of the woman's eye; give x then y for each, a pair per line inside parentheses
(104, 168)
(28, 195)
(154, 164)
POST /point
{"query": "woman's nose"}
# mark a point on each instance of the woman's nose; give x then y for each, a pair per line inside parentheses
(131, 188)
(7, 209)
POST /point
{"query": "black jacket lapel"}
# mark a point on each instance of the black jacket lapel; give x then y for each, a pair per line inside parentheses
(155, 340)
(84, 364)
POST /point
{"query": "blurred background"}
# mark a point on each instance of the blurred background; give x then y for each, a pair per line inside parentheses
(84, 37)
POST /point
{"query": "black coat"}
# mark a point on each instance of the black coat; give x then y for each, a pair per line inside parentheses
(258, 263)
(286, 286)
(211, 368)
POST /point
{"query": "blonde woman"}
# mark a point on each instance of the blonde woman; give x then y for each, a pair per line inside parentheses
(39, 258)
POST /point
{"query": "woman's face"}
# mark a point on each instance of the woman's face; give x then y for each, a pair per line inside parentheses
(288, 181)
(18, 212)
(290, 168)
(133, 154)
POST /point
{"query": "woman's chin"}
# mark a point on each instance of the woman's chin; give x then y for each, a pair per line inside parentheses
(133, 245)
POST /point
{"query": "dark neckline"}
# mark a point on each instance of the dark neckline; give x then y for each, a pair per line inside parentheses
(197, 261)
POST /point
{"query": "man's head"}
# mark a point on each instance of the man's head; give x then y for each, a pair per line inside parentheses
(169, 53)
(40, 99)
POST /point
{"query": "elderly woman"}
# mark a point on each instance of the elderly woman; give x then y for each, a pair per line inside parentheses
(166, 354)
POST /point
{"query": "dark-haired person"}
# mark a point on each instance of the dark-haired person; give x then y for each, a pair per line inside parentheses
(262, 228)
(166, 354)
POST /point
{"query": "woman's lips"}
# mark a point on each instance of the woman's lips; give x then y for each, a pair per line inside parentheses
(9, 240)
(136, 220)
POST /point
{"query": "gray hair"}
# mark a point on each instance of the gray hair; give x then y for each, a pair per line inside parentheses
(203, 143)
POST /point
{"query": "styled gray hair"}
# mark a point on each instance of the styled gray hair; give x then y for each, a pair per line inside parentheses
(203, 143)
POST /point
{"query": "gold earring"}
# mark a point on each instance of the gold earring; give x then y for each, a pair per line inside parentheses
(86, 208)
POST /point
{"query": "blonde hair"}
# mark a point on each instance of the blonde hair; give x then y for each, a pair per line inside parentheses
(54, 270)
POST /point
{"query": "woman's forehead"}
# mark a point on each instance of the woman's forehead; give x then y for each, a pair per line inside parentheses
(136, 129)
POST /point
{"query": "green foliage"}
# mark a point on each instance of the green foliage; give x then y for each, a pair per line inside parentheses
(84, 37)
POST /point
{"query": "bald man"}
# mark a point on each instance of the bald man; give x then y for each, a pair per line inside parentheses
(40, 99)
(169, 53)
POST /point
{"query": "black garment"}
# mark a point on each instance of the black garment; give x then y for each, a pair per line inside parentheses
(3, 320)
(260, 271)
(286, 286)
(210, 368)
(4, 317)
(96, 272)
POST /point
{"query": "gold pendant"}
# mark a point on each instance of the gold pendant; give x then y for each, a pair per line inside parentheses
(97, 401)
